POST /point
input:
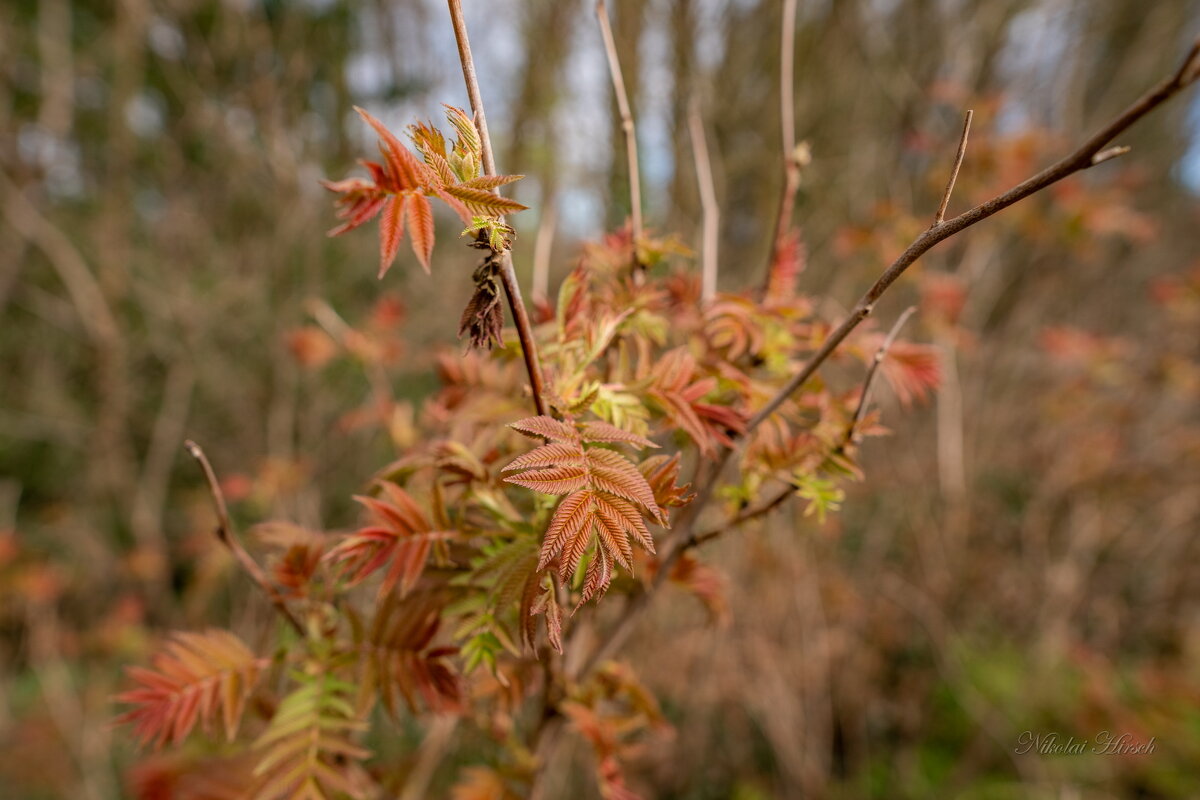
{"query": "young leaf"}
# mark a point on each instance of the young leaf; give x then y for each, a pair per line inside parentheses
(400, 661)
(196, 677)
(420, 226)
(605, 499)
(305, 748)
(391, 231)
(675, 388)
(400, 535)
(482, 201)
(490, 182)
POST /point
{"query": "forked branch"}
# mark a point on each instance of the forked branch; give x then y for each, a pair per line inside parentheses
(228, 537)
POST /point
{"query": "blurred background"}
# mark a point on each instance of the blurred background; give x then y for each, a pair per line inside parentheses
(1023, 555)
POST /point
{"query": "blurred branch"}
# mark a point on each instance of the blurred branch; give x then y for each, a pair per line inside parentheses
(434, 746)
(745, 515)
(864, 399)
(508, 275)
(708, 200)
(228, 537)
(93, 309)
(631, 151)
(542, 248)
(795, 157)
(98, 319)
(958, 159)
(150, 494)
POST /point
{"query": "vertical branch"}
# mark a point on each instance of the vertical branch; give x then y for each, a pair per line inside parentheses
(958, 160)
(631, 152)
(508, 275)
(472, 81)
(795, 157)
(787, 79)
(228, 537)
(708, 201)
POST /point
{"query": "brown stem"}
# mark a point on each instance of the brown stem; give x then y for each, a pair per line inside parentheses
(508, 275)
(864, 399)
(958, 159)
(228, 537)
(631, 151)
(787, 78)
(745, 515)
(794, 158)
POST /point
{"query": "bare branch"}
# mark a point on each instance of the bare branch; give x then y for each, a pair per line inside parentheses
(631, 151)
(508, 275)
(228, 537)
(864, 399)
(787, 78)
(708, 201)
(1112, 152)
(958, 160)
(795, 157)
(745, 515)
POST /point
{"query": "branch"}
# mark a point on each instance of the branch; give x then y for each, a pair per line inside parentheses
(228, 537)
(631, 151)
(864, 399)
(958, 159)
(1082, 158)
(787, 78)
(508, 275)
(745, 515)
(708, 200)
(542, 249)
(795, 157)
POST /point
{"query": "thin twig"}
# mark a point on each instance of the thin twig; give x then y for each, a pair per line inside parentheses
(508, 275)
(743, 516)
(958, 160)
(1111, 152)
(631, 151)
(708, 201)
(864, 399)
(228, 537)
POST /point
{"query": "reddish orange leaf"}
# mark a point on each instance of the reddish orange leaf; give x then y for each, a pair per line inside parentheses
(482, 201)
(391, 231)
(420, 227)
